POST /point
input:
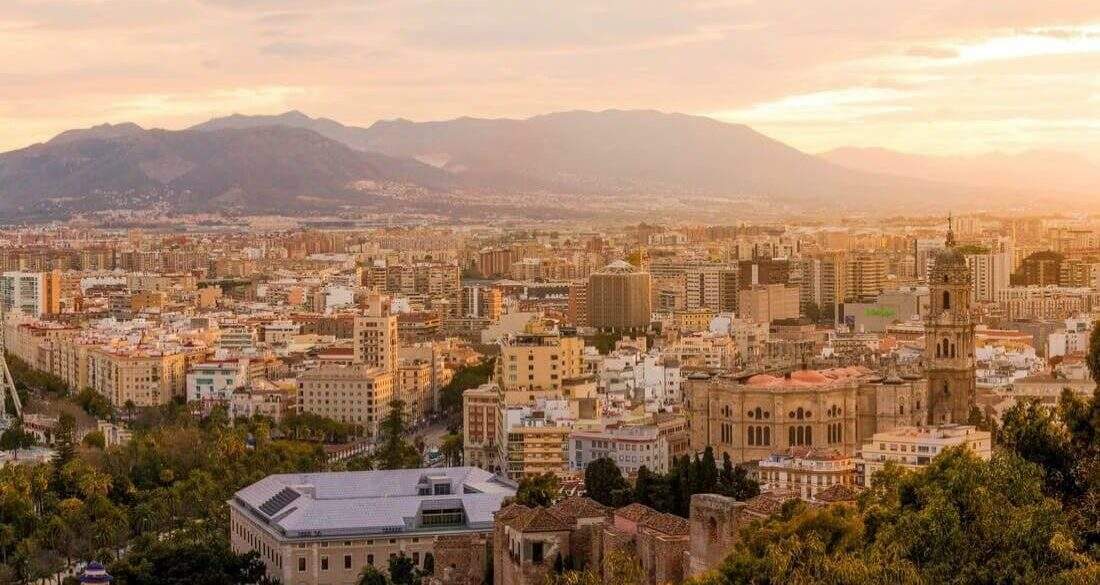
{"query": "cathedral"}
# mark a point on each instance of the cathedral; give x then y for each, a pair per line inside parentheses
(949, 337)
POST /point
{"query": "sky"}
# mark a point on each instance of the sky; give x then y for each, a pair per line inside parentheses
(924, 76)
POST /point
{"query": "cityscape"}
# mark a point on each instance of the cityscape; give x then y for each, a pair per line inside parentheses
(545, 334)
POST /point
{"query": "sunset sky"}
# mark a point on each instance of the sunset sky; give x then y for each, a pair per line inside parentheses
(937, 77)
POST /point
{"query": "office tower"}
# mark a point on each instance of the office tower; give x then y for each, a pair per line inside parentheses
(765, 303)
(618, 298)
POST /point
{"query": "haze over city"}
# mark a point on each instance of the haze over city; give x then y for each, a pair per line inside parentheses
(938, 77)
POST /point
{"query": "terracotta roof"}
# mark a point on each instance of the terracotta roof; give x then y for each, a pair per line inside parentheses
(539, 520)
(769, 503)
(667, 524)
(839, 493)
(511, 511)
(575, 507)
(635, 512)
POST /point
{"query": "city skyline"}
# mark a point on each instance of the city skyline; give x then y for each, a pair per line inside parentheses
(944, 80)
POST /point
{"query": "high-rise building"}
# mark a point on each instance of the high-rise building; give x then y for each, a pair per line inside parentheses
(375, 336)
(949, 338)
(1039, 269)
(481, 301)
(866, 276)
(578, 303)
(33, 293)
(991, 272)
(765, 303)
(618, 298)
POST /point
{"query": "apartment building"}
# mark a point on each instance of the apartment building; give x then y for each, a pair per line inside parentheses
(32, 293)
(915, 447)
(805, 471)
(375, 336)
(358, 394)
(630, 447)
(539, 361)
(479, 425)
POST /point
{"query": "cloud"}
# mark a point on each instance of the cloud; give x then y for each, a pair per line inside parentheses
(932, 52)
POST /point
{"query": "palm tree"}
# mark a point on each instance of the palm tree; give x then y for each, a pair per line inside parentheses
(371, 576)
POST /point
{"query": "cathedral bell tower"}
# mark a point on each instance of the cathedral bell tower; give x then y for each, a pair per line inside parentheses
(949, 338)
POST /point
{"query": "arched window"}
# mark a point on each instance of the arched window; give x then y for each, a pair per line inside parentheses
(767, 436)
(759, 412)
(751, 437)
(799, 414)
(946, 389)
(760, 436)
(791, 437)
(946, 300)
(801, 434)
(946, 347)
(809, 435)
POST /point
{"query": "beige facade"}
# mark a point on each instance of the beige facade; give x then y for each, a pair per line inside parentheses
(539, 361)
(139, 377)
(375, 336)
(414, 386)
(357, 394)
(765, 303)
(915, 447)
(528, 450)
(751, 419)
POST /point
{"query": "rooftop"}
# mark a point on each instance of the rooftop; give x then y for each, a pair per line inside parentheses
(313, 505)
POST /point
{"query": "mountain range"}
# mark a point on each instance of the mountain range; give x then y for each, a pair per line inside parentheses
(294, 163)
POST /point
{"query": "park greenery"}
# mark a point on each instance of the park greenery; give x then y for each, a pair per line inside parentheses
(669, 492)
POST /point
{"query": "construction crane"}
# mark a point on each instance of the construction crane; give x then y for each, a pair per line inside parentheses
(7, 387)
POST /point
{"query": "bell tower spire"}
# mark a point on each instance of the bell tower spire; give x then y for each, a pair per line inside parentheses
(950, 241)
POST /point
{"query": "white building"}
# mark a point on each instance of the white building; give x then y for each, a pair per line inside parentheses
(1074, 338)
(32, 293)
(216, 380)
(630, 447)
(805, 470)
(914, 447)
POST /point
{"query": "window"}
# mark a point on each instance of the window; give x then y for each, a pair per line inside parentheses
(324, 563)
(302, 565)
(347, 561)
(946, 298)
(536, 553)
(370, 560)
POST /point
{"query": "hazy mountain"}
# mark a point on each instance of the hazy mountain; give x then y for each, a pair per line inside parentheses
(1034, 170)
(616, 152)
(104, 131)
(254, 169)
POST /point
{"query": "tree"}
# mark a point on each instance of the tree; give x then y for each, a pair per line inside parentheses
(94, 440)
(371, 576)
(402, 570)
(539, 490)
(734, 481)
(452, 449)
(650, 489)
(604, 482)
(16, 438)
(450, 396)
(959, 520)
(707, 474)
(394, 452)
